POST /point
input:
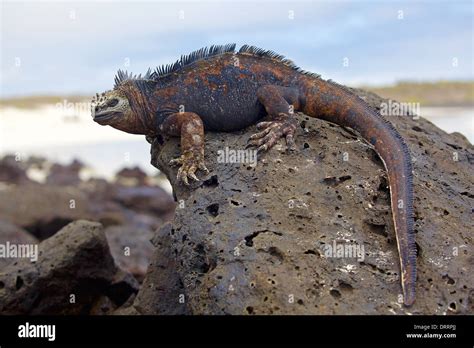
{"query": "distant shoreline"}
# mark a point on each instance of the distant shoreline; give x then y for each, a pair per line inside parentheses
(428, 94)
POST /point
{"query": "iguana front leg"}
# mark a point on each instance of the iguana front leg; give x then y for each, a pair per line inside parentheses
(280, 103)
(189, 127)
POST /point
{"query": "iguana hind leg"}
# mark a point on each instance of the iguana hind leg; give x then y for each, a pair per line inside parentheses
(280, 103)
(189, 127)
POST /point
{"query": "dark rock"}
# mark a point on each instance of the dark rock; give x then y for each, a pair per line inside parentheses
(148, 199)
(103, 306)
(64, 175)
(45, 209)
(126, 309)
(73, 264)
(122, 288)
(134, 175)
(249, 240)
(131, 248)
(14, 235)
(101, 204)
(114, 204)
(99, 190)
(42, 209)
(12, 171)
(162, 291)
(37, 162)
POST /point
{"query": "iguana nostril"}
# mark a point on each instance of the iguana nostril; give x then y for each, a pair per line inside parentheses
(96, 108)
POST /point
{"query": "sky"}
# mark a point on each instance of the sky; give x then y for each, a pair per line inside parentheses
(67, 47)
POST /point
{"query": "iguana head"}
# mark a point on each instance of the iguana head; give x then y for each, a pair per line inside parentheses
(110, 108)
(126, 106)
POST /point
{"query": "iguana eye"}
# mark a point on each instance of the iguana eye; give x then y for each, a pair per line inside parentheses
(112, 103)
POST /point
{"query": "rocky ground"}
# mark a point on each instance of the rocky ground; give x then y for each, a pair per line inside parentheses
(94, 237)
(247, 239)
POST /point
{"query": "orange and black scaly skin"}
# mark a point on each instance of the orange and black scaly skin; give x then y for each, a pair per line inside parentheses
(218, 89)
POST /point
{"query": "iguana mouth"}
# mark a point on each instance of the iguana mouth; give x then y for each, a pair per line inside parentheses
(104, 116)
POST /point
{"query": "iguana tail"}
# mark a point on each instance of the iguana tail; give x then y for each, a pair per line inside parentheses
(335, 103)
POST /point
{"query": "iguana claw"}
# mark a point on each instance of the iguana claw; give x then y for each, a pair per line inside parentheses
(189, 162)
(272, 131)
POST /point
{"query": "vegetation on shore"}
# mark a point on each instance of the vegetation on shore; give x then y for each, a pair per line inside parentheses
(441, 93)
(34, 101)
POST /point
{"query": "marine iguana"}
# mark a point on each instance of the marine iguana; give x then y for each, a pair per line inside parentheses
(221, 89)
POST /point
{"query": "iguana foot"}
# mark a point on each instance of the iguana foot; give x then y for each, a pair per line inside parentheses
(189, 162)
(271, 131)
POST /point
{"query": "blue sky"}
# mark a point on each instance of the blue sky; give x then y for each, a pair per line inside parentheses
(66, 47)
